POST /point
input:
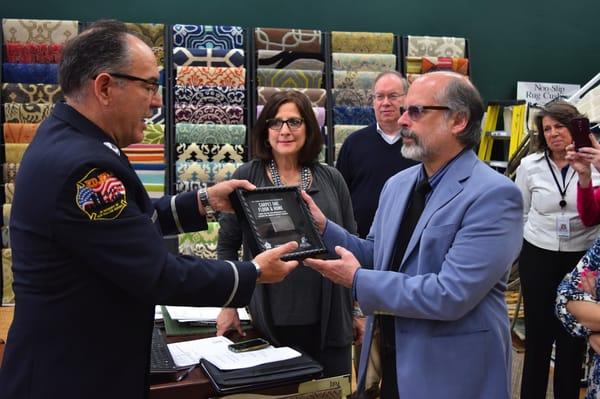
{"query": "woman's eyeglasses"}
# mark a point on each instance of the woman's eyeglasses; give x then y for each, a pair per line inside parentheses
(292, 123)
(415, 112)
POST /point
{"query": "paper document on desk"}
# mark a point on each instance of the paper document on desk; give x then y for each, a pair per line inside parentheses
(216, 351)
(206, 315)
(187, 353)
(228, 360)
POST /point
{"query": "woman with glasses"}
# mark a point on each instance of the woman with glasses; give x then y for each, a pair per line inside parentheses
(305, 311)
(554, 240)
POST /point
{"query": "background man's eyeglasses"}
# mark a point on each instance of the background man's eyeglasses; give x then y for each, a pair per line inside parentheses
(392, 96)
(153, 84)
(415, 112)
(277, 124)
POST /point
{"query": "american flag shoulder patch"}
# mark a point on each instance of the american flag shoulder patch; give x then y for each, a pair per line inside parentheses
(100, 195)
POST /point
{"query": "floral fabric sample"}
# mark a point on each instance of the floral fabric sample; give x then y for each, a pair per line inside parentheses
(208, 57)
(38, 31)
(208, 36)
(301, 40)
(362, 42)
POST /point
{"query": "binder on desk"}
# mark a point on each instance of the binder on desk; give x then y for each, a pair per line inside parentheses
(266, 375)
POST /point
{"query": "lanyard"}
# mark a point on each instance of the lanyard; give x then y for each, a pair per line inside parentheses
(562, 191)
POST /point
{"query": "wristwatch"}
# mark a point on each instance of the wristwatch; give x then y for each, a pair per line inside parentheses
(258, 271)
(203, 197)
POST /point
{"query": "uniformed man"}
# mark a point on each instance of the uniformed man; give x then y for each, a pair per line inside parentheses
(89, 261)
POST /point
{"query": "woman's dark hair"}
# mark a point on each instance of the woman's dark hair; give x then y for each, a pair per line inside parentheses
(309, 153)
(562, 111)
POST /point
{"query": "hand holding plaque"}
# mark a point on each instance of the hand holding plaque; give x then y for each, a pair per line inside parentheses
(272, 216)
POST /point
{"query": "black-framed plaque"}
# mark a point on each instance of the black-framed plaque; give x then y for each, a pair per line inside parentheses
(272, 216)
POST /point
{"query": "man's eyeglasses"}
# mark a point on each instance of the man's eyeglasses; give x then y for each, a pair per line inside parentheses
(392, 96)
(153, 84)
(277, 124)
(415, 112)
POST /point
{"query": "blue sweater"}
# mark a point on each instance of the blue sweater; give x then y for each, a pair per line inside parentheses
(366, 161)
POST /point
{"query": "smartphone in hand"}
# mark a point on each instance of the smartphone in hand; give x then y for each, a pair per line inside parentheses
(580, 131)
(249, 345)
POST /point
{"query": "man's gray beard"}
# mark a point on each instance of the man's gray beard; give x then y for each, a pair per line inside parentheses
(412, 151)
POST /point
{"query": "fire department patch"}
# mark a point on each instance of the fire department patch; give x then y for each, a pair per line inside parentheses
(100, 195)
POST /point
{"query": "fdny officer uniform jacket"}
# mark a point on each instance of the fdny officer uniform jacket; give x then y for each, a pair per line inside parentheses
(89, 265)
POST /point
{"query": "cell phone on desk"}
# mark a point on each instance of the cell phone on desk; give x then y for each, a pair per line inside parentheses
(249, 345)
(580, 131)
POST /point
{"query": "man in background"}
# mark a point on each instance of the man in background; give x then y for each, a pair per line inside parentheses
(372, 155)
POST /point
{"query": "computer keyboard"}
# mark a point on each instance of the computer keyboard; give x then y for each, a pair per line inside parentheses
(161, 360)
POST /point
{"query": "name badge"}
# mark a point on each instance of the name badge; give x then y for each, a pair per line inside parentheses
(563, 227)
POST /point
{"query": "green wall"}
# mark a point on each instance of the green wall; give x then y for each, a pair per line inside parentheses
(528, 40)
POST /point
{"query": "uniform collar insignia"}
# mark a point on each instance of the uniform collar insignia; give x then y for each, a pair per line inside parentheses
(113, 147)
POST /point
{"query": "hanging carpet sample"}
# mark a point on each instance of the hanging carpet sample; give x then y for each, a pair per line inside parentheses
(13, 152)
(290, 60)
(210, 134)
(153, 34)
(211, 76)
(301, 40)
(39, 31)
(210, 95)
(31, 93)
(353, 115)
(9, 192)
(26, 112)
(29, 53)
(154, 133)
(9, 172)
(430, 46)
(341, 133)
(363, 62)
(290, 78)
(8, 296)
(30, 73)
(226, 115)
(19, 132)
(413, 64)
(205, 172)
(362, 42)
(430, 64)
(352, 97)
(159, 54)
(317, 97)
(208, 57)
(361, 80)
(208, 36)
(200, 243)
(209, 152)
(182, 186)
(158, 116)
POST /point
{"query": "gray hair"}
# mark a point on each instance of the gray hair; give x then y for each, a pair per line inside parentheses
(102, 47)
(393, 73)
(463, 98)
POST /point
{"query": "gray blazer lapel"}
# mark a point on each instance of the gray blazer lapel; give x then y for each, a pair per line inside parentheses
(448, 188)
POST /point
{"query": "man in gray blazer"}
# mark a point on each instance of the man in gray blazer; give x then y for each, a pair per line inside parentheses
(433, 283)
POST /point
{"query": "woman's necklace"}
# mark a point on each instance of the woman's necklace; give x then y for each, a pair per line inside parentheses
(304, 175)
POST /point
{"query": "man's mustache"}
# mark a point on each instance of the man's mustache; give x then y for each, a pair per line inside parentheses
(408, 134)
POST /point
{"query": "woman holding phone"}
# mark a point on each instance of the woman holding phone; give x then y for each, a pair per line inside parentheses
(588, 196)
(555, 238)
